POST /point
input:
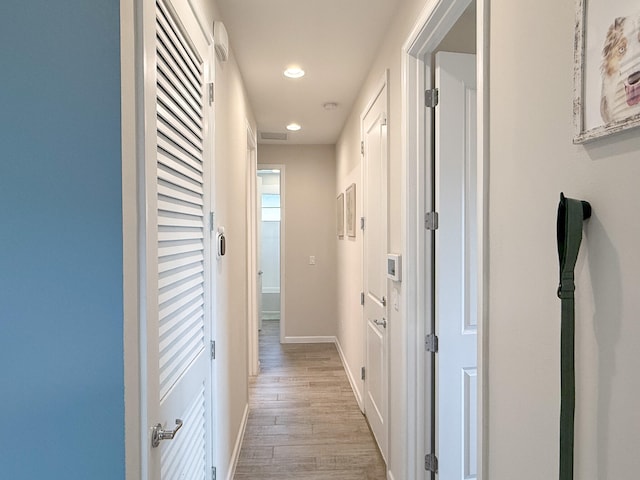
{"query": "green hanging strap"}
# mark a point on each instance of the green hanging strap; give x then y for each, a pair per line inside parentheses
(571, 214)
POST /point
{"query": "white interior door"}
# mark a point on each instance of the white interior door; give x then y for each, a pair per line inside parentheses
(374, 129)
(179, 392)
(456, 266)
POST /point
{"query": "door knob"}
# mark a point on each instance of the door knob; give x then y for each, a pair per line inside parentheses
(382, 322)
(158, 433)
(260, 272)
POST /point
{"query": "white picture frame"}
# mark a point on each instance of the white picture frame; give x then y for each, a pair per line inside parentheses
(350, 216)
(606, 68)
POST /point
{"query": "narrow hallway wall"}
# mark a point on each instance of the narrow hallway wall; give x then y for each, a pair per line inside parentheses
(233, 116)
(310, 230)
(532, 161)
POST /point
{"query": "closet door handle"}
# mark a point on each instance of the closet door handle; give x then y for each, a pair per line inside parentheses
(158, 433)
(382, 322)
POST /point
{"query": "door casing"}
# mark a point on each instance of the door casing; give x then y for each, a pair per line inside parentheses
(434, 22)
(253, 332)
(252, 250)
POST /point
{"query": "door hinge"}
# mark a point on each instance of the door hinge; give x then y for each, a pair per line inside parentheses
(211, 93)
(361, 223)
(361, 298)
(431, 463)
(384, 301)
(431, 343)
(362, 148)
(431, 98)
(383, 121)
(431, 220)
(212, 217)
(362, 373)
(213, 473)
(213, 349)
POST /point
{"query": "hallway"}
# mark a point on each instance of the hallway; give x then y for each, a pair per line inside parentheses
(304, 421)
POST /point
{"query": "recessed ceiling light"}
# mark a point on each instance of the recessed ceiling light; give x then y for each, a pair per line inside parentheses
(293, 127)
(330, 105)
(294, 72)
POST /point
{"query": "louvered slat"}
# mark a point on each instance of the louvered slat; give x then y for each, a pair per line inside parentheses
(180, 247)
(177, 261)
(175, 235)
(177, 206)
(175, 192)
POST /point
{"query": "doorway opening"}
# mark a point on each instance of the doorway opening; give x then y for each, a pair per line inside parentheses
(269, 249)
(446, 160)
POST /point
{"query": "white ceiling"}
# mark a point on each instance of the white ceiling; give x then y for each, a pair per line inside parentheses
(334, 41)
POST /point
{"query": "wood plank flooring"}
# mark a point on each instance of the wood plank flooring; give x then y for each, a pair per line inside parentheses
(304, 421)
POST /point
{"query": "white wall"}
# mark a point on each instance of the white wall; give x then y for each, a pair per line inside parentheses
(310, 229)
(532, 160)
(231, 170)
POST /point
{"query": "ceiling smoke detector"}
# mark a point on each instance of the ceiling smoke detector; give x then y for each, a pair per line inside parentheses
(330, 106)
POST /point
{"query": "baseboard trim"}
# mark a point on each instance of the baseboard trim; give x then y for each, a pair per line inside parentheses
(352, 381)
(235, 456)
(309, 340)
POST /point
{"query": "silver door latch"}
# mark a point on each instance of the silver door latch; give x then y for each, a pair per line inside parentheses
(382, 322)
(158, 433)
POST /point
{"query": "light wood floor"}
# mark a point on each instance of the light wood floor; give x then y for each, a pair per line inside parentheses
(304, 421)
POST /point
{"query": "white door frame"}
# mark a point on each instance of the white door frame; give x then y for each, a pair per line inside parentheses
(263, 166)
(434, 22)
(252, 250)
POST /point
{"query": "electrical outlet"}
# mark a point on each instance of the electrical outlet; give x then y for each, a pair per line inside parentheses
(312, 260)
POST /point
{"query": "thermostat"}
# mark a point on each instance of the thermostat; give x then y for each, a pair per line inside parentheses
(394, 267)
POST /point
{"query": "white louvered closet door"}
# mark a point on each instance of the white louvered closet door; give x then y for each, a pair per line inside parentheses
(182, 384)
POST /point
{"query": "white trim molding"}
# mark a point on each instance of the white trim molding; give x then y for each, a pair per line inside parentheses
(313, 339)
(354, 384)
(235, 456)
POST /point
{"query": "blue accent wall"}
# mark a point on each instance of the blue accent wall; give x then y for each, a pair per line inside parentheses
(61, 306)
